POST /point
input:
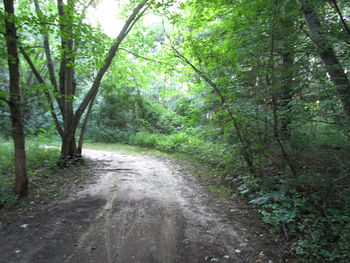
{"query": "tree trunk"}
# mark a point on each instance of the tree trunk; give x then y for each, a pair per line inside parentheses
(83, 127)
(327, 55)
(21, 187)
(286, 94)
(68, 150)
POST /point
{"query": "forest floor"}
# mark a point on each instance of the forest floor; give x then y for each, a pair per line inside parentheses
(138, 209)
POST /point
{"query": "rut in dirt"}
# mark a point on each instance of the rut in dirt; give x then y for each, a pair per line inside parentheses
(152, 211)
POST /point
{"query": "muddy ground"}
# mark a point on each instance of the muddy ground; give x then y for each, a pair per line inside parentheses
(137, 209)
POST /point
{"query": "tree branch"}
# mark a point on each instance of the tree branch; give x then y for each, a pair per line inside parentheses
(46, 91)
(63, 64)
(108, 60)
(49, 60)
(336, 7)
(139, 56)
(246, 151)
(135, 21)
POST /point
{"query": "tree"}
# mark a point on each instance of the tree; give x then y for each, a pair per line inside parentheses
(327, 53)
(14, 102)
(65, 89)
(244, 56)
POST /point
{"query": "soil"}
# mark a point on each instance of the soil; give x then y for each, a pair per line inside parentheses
(137, 209)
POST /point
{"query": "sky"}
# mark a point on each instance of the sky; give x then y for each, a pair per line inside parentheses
(106, 13)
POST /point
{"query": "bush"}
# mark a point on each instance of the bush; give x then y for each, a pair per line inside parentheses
(144, 139)
(103, 134)
(318, 227)
(218, 155)
(43, 136)
(7, 198)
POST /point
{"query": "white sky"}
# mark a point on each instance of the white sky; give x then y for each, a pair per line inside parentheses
(106, 13)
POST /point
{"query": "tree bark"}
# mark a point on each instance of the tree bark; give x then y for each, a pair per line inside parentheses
(50, 64)
(286, 93)
(68, 148)
(21, 186)
(327, 55)
(46, 91)
(68, 140)
(83, 127)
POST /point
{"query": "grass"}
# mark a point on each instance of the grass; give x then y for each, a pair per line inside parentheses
(46, 181)
(220, 191)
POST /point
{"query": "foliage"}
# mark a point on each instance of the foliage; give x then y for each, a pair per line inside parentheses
(313, 220)
(212, 153)
(255, 86)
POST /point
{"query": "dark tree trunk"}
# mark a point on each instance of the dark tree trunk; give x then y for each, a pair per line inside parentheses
(68, 150)
(327, 55)
(83, 127)
(286, 94)
(21, 187)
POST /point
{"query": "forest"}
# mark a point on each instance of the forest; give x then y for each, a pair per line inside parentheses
(257, 90)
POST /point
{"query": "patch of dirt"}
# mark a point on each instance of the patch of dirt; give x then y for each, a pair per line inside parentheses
(137, 209)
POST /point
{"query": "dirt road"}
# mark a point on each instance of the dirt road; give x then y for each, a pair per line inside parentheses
(137, 209)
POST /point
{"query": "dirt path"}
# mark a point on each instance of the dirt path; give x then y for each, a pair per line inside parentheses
(138, 209)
